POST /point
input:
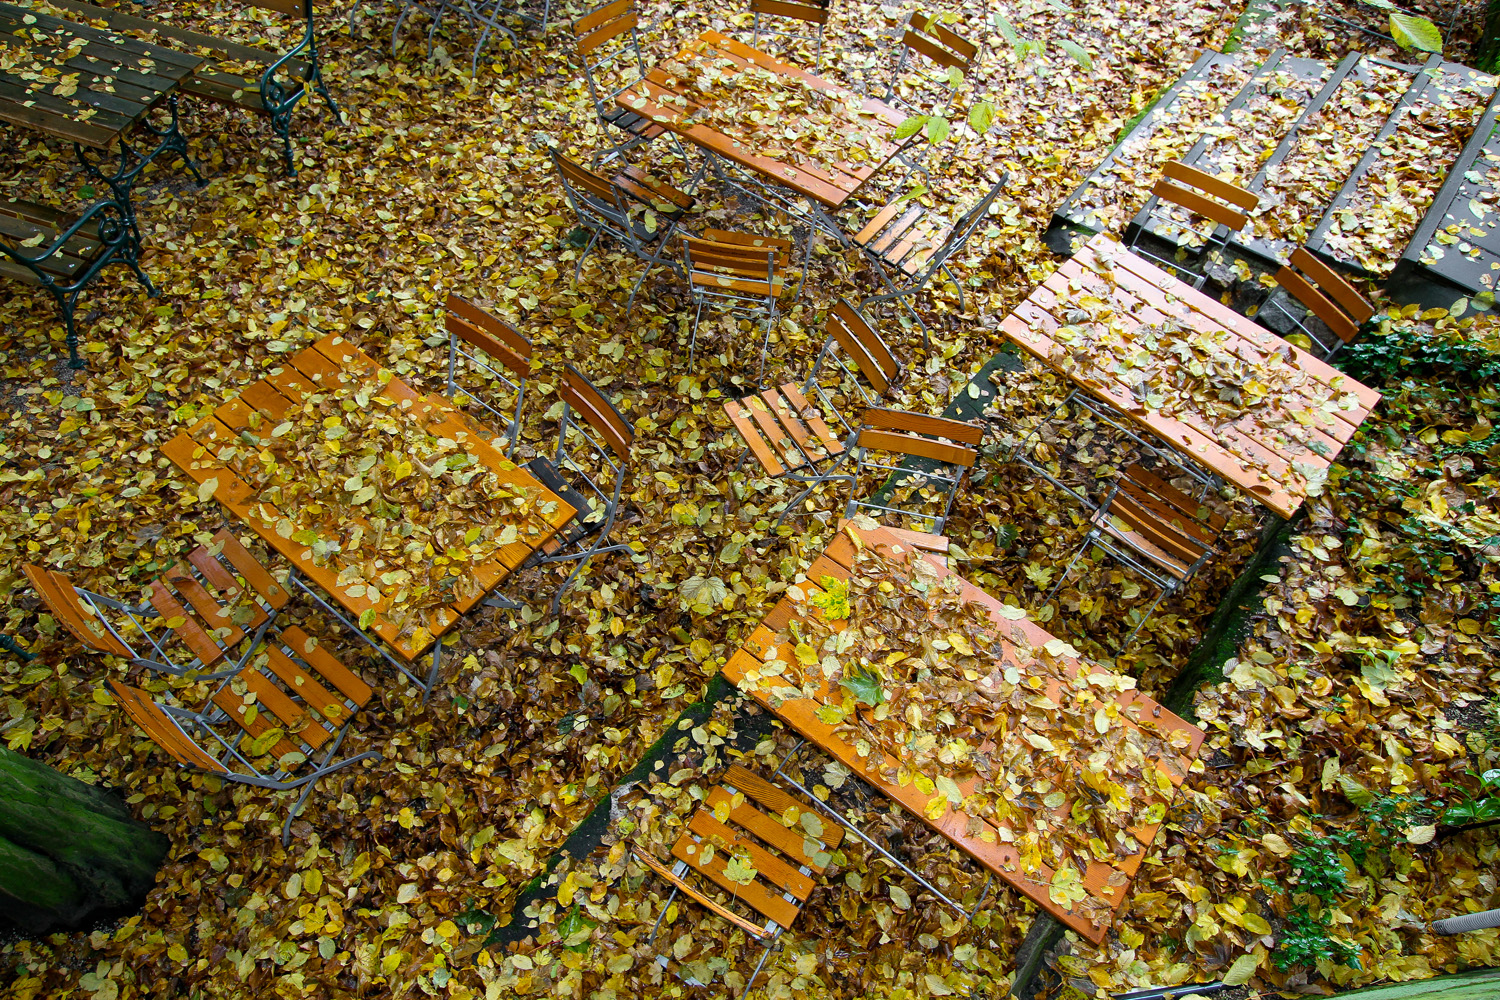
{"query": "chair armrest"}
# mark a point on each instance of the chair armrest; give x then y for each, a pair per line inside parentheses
(112, 231)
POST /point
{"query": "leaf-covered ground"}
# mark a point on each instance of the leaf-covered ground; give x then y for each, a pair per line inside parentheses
(436, 185)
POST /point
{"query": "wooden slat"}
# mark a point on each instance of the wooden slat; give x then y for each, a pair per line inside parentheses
(248, 567)
(1148, 523)
(920, 447)
(1171, 495)
(1334, 284)
(214, 572)
(188, 630)
(789, 841)
(56, 591)
(223, 629)
(810, 414)
(490, 334)
(264, 718)
(757, 444)
(758, 789)
(1144, 543)
(774, 433)
(327, 665)
(293, 716)
(306, 687)
(702, 899)
(755, 895)
(960, 431)
(605, 32)
(654, 189)
(1223, 190)
(860, 340)
(1199, 205)
(1321, 305)
(599, 411)
(812, 13)
(162, 729)
(774, 870)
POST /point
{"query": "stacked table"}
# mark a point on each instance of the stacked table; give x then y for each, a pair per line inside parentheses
(1062, 683)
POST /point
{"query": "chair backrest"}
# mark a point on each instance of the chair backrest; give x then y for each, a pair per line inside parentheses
(1206, 195)
(62, 599)
(925, 38)
(811, 11)
(597, 201)
(810, 15)
(1327, 293)
(753, 833)
(850, 332)
(163, 729)
(493, 352)
(953, 442)
(593, 32)
(1165, 516)
(583, 398)
(468, 324)
(733, 264)
(965, 225)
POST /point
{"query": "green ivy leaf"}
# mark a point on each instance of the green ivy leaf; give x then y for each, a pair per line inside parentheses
(864, 685)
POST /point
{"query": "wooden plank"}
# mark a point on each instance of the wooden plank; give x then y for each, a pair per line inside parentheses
(789, 841)
(317, 656)
(808, 413)
(306, 687)
(225, 632)
(757, 445)
(775, 434)
(770, 905)
(162, 729)
(263, 720)
(773, 869)
(248, 567)
(920, 447)
(56, 591)
(960, 431)
(198, 642)
(755, 930)
(777, 800)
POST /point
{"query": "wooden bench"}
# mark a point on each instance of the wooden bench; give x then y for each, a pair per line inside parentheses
(278, 81)
(62, 253)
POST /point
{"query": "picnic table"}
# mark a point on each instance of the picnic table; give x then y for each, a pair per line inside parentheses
(272, 456)
(1235, 398)
(775, 122)
(1060, 682)
(90, 87)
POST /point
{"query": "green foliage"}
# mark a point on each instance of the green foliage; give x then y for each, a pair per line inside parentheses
(1409, 352)
(1318, 867)
(575, 929)
(1413, 32)
(864, 685)
(1481, 808)
(1304, 940)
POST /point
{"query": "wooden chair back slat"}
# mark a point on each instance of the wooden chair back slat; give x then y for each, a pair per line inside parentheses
(1159, 533)
(291, 673)
(1199, 205)
(1321, 305)
(812, 12)
(214, 613)
(1333, 284)
(601, 15)
(806, 411)
(1193, 536)
(579, 393)
(606, 31)
(918, 447)
(214, 572)
(247, 566)
(754, 240)
(789, 841)
(327, 665)
(862, 343)
(944, 46)
(587, 181)
(755, 895)
(162, 730)
(880, 418)
(758, 789)
(292, 8)
(741, 418)
(488, 333)
(58, 593)
(1226, 192)
(187, 628)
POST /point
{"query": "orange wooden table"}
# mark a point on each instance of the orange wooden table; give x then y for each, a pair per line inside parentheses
(223, 448)
(1089, 319)
(760, 146)
(1105, 882)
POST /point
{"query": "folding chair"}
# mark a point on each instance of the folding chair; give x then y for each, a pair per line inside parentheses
(750, 820)
(907, 247)
(262, 725)
(1155, 529)
(609, 46)
(937, 454)
(588, 471)
(633, 209)
(497, 359)
(787, 434)
(200, 610)
(1203, 196)
(810, 17)
(1328, 295)
(931, 64)
(735, 273)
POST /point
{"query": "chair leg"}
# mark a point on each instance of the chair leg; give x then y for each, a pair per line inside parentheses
(770, 947)
(1160, 596)
(1071, 563)
(693, 340)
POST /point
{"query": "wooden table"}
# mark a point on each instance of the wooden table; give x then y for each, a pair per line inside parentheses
(89, 86)
(760, 150)
(1017, 638)
(335, 366)
(1089, 321)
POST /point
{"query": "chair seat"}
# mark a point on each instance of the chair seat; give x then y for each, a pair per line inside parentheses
(746, 286)
(583, 523)
(1122, 532)
(634, 124)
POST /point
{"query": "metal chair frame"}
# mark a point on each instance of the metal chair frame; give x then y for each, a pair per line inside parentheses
(1327, 295)
(606, 212)
(158, 657)
(784, 10)
(1184, 186)
(469, 327)
(611, 114)
(236, 766)
(922, 36)
(1166, 583)
(953, 242)
(485, 15)
(742, 303)
(904, 474)
(609, 457)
